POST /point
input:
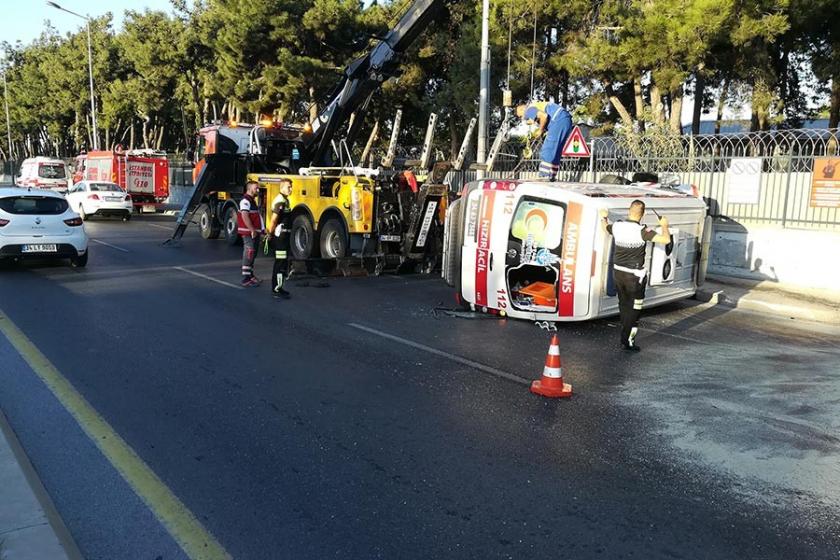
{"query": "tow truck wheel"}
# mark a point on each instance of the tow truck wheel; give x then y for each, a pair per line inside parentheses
(231, 227)
(303, 238)
(209, 228)
(333, 240)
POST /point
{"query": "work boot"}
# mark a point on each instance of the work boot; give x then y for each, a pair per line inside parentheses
(281, 294)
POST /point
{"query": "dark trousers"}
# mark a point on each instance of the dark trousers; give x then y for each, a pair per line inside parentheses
(631, 297)
(280, 246)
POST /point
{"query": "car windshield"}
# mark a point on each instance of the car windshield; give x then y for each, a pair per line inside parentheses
(33, 205)
(107, 187)
(51, 171)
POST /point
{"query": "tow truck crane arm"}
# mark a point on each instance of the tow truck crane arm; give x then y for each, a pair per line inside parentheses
(363, 77)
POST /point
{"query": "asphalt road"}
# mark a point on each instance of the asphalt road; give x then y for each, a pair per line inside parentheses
(360, 420)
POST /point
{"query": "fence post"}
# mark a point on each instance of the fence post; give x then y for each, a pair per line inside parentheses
(592, 161)
(787, 189)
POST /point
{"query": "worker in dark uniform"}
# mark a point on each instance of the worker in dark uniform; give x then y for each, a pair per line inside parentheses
(250, 227)
(556, 123)
(630, 238)
(279, 231)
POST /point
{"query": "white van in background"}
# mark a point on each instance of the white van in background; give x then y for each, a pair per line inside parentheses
(536, 250)
(44, 173)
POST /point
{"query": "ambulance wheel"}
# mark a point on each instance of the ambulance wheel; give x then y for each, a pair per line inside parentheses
(333, 240)
(209, 228)
(231, 227)
(303, 238)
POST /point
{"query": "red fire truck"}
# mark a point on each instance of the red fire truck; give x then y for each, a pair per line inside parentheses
(144, 174)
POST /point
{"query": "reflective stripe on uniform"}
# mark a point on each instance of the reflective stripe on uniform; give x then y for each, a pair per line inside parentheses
(280, 254)
(637, 303)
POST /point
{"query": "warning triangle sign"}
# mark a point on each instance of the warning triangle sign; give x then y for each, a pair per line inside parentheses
(575, 145)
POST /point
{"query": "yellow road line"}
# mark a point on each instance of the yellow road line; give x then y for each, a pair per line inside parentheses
(188, 532)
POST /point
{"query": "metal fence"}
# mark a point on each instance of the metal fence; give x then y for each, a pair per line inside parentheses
(785, 170)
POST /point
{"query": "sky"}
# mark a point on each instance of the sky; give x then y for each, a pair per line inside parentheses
(24, 19)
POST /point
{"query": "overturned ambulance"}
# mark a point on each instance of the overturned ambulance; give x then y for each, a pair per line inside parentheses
(537, 250)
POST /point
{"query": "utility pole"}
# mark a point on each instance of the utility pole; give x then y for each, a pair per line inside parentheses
(484, 87)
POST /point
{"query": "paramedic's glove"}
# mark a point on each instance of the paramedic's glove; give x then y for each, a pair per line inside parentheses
(536, 134)
(604, 213)
(663, 221)
(527, 152)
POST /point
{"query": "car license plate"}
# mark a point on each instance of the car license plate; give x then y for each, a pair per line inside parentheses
(39, 248)
(113, 199)
(389, 237)
(149, 208)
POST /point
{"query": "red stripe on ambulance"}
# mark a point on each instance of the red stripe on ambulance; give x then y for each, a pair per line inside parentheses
(482, 251)
(571, 242)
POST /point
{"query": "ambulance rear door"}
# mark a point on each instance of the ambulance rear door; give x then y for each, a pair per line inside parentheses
(488, 213)
(548, 255)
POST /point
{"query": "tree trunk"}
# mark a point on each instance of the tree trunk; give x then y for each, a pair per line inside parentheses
(146, 132)
(834, 111)
(724, 92)
(159, 141)
(131, 142)
(313, 105)
(622, 110)
(699, 90)
(676, 110)
(656, 104)
(640, 103)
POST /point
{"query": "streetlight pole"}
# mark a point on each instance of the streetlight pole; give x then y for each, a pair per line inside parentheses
(484, 86)
(94, 133)
(8, 124)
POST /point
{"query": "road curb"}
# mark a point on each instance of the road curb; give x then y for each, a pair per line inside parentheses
(818, 313)
(31, 544)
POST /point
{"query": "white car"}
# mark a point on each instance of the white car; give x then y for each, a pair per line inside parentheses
(100, 198)
(36, 223)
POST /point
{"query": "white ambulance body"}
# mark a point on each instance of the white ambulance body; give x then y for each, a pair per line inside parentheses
(44, 173)
(537, 250)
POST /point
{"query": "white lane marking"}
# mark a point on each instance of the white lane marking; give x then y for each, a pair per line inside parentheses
(216, 280)
(111, 246)
(168, 228)
(452, 357)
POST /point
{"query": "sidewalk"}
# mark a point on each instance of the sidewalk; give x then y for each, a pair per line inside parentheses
(30, 527)
(768, 297)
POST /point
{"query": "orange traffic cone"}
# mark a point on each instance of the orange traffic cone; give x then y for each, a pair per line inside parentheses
(551, 383)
